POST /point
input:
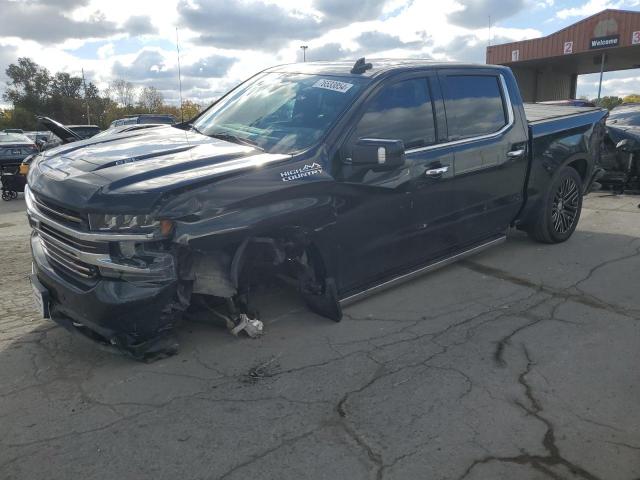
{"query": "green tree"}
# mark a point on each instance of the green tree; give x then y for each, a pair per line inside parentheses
(34, 91)
(28, 85)
(5, 118)
(66, 103)
(190, 109)
(633, 98)
(608, 102)
(23, 118)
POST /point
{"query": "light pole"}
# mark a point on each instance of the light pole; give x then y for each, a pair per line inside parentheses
(604, 56)
(304, 52)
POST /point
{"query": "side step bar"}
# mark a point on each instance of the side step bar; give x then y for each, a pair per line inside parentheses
(416, 273)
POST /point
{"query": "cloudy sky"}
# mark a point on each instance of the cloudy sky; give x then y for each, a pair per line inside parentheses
(224, 41)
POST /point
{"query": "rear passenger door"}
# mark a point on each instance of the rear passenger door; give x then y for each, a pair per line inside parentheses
(489, 145)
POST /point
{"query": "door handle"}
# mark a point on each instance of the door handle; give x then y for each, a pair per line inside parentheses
(437, 172)
(516, 153)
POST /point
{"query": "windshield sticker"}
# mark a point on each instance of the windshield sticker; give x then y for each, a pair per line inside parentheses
(302, 172)
(333, 85)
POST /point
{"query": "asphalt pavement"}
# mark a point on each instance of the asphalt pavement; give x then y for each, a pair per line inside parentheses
(519, 363)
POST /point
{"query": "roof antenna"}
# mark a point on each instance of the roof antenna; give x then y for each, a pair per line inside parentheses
(179, 76)
(361, 66)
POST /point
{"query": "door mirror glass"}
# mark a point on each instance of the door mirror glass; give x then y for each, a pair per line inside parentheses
(377, 154)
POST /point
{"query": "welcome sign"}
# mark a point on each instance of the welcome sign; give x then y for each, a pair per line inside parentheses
(604, 42)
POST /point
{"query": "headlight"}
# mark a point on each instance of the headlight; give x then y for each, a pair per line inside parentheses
(33, 161)
(129, 223)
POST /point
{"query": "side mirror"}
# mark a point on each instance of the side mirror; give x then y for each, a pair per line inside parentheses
(377, 153)
(628, 145)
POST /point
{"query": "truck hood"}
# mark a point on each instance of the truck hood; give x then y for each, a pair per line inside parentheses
(140, 165)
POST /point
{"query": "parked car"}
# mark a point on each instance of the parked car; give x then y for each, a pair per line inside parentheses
(621, 156)
(63, 134)
(144, 118)
(572, 102)
(14, 148)
(40, 137)
(345, 178)
(84, 131)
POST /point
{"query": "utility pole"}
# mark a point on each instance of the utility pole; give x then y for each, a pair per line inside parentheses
(304, 52)
(489, 30)
(179, 75)
(601, 72)
(86, 100)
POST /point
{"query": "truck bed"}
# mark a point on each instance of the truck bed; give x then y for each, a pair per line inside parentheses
(538, 113)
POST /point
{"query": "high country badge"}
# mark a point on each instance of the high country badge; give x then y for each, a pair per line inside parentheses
(302, 172)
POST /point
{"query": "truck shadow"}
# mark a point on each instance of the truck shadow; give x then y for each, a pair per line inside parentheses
(44, 350)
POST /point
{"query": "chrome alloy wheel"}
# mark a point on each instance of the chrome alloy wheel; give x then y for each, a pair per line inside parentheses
(565, 205)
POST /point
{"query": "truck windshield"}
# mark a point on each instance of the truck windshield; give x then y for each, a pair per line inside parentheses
(278, 112)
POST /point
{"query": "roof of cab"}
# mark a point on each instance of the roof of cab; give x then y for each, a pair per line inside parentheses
(379, 66)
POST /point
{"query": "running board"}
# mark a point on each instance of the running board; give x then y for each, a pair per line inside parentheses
(421, 271)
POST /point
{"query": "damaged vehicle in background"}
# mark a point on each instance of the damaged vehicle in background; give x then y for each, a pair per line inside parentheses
(345, 179)
(63, 134)
(621, 156)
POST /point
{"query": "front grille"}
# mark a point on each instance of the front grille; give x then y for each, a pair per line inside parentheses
(66, 260)
(59, 214)
(73, 249)
(84, 245)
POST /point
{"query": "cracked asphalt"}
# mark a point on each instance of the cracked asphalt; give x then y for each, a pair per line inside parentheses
(522, 362)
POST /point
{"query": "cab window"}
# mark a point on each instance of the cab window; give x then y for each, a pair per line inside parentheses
(474, 105)
(402, 111)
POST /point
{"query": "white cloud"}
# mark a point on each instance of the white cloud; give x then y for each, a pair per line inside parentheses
(402, 28)
(589, 8)
(106, 51)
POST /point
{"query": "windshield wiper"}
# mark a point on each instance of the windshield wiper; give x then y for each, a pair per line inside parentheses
(232, 138)
(195, 129)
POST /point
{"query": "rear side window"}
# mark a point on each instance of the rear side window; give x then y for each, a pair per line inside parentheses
(474, 105)
(401, 111)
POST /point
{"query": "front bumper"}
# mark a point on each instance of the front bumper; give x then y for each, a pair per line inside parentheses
(136, 318)
(132, 305)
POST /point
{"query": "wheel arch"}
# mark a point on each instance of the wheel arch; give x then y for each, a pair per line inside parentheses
(581, 166)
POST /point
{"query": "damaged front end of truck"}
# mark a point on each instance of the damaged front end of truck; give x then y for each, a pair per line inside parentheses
(134, 230)
(127, 281)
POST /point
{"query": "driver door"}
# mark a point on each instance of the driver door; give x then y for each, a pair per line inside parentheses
(377, 230)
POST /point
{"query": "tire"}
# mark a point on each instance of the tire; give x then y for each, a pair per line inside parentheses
(560, 210)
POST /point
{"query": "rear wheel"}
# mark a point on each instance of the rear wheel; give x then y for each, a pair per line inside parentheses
(560, 211)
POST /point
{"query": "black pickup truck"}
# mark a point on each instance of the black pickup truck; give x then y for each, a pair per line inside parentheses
(343, 178)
